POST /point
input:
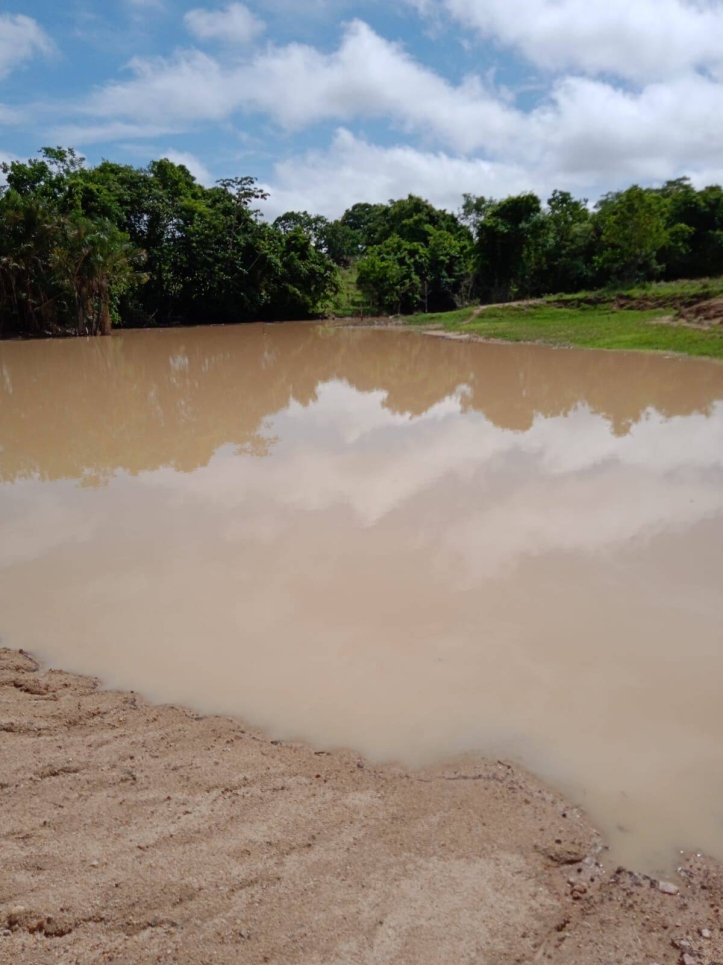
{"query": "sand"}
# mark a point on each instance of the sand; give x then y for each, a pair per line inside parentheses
(134, 833)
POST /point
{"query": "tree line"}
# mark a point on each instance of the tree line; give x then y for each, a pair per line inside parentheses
(417, 258)
(83, 248)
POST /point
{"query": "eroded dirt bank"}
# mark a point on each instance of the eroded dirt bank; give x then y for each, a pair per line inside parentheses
(136, 833)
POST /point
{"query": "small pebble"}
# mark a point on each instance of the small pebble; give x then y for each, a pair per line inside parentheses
(705, 933)
(94, 864)
(667, 888)
(688, 960)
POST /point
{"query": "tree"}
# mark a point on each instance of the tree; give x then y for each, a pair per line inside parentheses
(565, 260)
(702, 213)
(333, 238)
(391, 275)
(29, 294)
(83, 248)
(474, 210)
(304, 278)
(508, 236)
(314, 226)
(73, 240)
(61, 273)
(366, 222)
(416, 257)
(48, 179)
(340, 243)
(449, 276)
(633, 232)
(94, 263)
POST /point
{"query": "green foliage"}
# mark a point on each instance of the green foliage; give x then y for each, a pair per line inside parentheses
(415, 256)
(460, 316)
(73, 241)
(566, 258)
(634, 236)
(349, 300)
(390, 274)
(365, 221)
(672, 295)
(82, 247)
(334, 239)
(633, 233)
(93, 264)
(595, 320)
(509, 238)
(61, 272)
(702, 213)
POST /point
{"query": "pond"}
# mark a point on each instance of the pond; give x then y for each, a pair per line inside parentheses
(404, 545)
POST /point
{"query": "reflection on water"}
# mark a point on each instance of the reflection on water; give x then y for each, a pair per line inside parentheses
(409, 546)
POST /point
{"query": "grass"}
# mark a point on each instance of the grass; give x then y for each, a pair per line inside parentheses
(349, 301)
(664, 293)
(594, 320)
(596, 327)
(458, 317)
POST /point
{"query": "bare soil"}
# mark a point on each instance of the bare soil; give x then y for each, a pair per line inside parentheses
(134, 833)
(705, 314)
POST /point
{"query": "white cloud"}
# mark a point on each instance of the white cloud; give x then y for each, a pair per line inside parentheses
(105, 133)
(298, 85)
(21, 38)
(639, 40)
(194, 165)
(235, 24)
(355, 170)
(189, 88)
(586, 134)
(592, 128)
(589, 138)
(370, 77)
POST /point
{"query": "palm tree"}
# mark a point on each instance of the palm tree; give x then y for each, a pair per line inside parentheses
(96, 262)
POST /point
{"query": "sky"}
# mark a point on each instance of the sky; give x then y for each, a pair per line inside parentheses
(330, 102)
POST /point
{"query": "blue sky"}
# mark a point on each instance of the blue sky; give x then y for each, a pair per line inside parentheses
(329, 102)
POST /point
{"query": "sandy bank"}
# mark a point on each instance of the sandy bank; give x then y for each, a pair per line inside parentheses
(136, 833)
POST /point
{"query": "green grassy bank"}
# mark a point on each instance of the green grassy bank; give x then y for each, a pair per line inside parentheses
(349, 301)
(678, 317)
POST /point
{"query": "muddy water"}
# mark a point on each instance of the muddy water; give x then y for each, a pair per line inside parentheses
(404, 545)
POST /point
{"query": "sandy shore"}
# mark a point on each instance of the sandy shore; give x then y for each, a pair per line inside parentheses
(134, 833)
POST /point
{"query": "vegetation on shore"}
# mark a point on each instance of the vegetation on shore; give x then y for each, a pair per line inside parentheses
(413, 258)
(681, 317)
(85, 248)
(82, 249)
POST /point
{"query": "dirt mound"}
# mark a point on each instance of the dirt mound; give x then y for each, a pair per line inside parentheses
(708, 313)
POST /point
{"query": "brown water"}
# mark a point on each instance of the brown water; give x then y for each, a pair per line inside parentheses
(409, 546)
